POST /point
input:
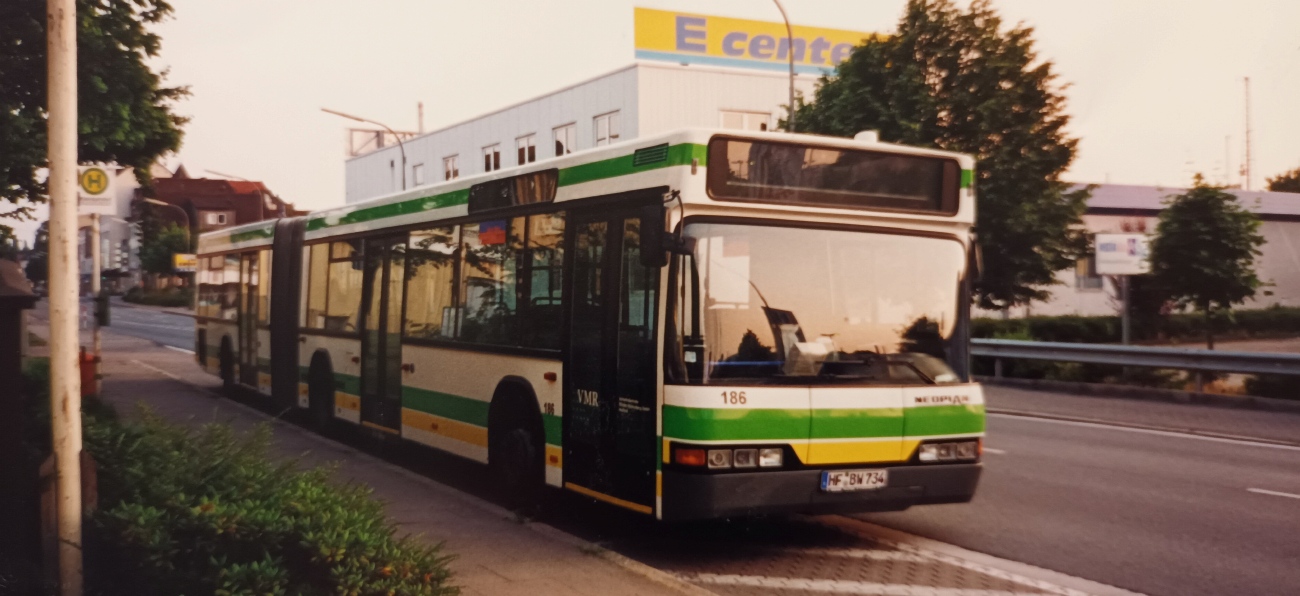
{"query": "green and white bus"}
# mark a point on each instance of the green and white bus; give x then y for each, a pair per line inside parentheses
(698, 324)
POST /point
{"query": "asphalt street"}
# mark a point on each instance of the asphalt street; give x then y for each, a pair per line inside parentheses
(1168, 513)
(167, 328)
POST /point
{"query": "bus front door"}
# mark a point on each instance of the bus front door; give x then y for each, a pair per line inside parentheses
(610, 377)
(381, 333)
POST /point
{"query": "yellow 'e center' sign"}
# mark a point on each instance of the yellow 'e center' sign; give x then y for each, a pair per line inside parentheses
(721, 41)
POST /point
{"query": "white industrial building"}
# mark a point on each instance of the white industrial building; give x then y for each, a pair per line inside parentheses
(1121, 208)
(644, 98)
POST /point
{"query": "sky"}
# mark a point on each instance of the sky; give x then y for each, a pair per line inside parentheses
(1154, 87)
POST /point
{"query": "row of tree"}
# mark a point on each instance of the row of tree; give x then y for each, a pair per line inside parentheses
(948, 78)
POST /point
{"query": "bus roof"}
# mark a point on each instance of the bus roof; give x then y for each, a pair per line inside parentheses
(643, 162)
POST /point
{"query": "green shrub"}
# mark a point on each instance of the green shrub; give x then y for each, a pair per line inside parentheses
(1275, 321)
(172, 297)
(208, 512)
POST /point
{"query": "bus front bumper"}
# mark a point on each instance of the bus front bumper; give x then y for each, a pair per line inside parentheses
(688, 496)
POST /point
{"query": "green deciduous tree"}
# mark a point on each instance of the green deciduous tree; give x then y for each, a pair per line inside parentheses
(156, 252)
(124, 111)
(959, 80)
(1204, 251)
(39, 263)
(1285, 182)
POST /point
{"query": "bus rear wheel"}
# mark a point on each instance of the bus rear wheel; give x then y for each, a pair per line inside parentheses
(320, 397)
(517, 466)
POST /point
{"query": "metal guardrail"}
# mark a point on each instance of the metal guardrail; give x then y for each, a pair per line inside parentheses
(1198, 361)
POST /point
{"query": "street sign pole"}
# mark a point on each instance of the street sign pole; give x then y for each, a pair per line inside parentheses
(96, 271)
(64, 282)
(1124, 303)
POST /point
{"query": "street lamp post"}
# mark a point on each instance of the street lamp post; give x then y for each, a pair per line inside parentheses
(789, 52)
(188, 228)
(400, 146)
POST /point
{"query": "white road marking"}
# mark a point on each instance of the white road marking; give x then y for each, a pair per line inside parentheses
(184, 351)
(1148, 431)
(994, 451)
(1264, 491)
(835, 586)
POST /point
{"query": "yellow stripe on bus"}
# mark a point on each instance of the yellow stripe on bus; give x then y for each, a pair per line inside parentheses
(452, 429)
(859, 452)
(554, 456)
(347, 401)
(582, 490)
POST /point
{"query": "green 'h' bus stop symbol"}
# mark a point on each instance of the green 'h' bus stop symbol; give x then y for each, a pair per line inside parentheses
(94, 181)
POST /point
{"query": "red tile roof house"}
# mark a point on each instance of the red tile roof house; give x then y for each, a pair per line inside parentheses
(212, 204)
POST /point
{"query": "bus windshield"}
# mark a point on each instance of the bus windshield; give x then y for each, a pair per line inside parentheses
(765, 304)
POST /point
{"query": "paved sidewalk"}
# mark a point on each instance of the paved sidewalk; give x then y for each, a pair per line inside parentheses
(496, 553)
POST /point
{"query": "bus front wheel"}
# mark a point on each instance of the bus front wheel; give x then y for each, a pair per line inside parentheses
(516, 461)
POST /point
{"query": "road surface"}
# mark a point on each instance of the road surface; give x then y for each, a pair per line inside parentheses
(1169, 513)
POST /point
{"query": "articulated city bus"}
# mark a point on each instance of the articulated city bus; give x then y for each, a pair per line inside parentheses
(699, 324)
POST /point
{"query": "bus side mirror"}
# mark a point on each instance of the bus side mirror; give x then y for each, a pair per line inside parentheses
(653, 246)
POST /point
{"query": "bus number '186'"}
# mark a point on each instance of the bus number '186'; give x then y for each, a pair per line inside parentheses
(733, 397)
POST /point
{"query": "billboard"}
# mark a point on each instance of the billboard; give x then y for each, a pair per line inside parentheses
(688, 38)
(185, 263)
(95, 190)
(1123, 254)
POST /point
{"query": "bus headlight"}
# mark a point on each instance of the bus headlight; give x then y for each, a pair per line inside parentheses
(719, 458)
(770, 457)
(949, 451)
(745, 458)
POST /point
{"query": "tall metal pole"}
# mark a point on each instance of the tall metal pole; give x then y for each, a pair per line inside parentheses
(65, 380)
(789, 46)
(96, 271)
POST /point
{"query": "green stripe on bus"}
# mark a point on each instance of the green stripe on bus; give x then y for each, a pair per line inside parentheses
(455, 407)
(967, 178)
(706, 424)
(551, 424)
(848, 424)
(944, 420)
(678, 155)
(429, 203)
(258, 234)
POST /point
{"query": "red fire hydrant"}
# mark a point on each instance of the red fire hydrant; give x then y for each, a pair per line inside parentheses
(89, 373)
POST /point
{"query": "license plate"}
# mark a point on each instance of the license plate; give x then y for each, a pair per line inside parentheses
(837, 481)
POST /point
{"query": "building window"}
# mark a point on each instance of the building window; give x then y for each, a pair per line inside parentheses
(756, 121)
(451, 167)
(417, 173)
(1085, 274)
(527, 146)
(492, 158)
(607, 129)
(215, 219)
(565, 138)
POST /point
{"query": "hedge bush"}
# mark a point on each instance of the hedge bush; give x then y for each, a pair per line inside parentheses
(173, 297)
(208, 511)
(1275, 321)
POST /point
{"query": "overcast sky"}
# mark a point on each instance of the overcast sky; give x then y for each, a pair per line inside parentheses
(1155, 86)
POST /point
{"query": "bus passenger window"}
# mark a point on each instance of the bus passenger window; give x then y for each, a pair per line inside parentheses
(264, 287)
(229, 309)
(489, 281)
(431, 283)
(345, 283)
(546, 264)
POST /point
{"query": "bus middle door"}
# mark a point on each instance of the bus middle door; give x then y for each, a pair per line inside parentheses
(610, 393)
(384, 262)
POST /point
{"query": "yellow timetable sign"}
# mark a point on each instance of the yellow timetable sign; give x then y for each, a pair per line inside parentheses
(184, 263)
(721, 41)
